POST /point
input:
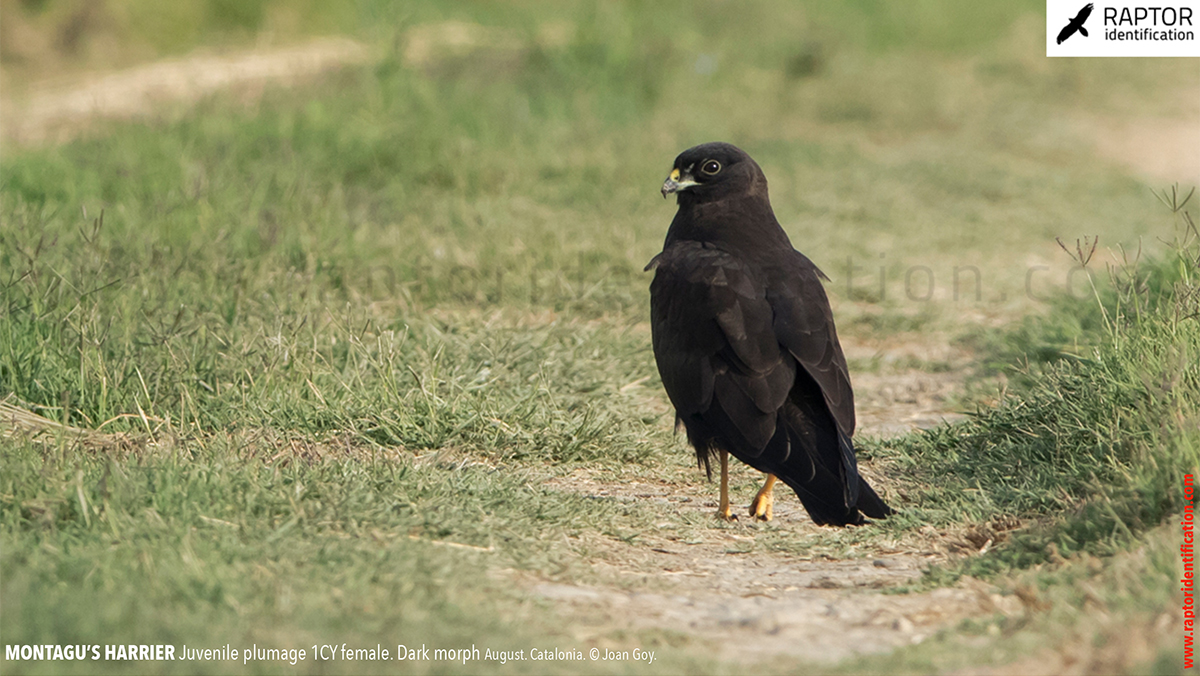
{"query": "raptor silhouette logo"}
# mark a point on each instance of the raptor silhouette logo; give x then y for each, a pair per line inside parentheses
(1076, 24)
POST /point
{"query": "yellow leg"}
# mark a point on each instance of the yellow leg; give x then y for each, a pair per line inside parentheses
(761, 507)
(723, 510)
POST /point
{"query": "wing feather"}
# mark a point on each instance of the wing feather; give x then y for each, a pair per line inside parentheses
(803, 324)
(713, 334)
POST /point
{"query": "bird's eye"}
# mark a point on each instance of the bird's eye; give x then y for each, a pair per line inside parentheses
(711, 167)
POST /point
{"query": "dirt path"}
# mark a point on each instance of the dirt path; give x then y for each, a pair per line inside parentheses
(754, 607)
(1163, 150)
(723, 587)
(58, 111)
(892, 400)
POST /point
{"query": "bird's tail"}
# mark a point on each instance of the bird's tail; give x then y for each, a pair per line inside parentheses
(834, 496)
(823, 500)
(870, 503)
(858, 492)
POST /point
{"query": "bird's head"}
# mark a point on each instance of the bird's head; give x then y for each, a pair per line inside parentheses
(711, 171)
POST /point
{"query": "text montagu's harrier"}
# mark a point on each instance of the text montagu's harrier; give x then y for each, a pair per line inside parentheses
(745, 342)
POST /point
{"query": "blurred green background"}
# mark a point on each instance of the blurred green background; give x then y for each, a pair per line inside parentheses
(930, 134)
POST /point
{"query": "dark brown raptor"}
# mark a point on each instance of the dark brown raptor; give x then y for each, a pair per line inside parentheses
(745, 342)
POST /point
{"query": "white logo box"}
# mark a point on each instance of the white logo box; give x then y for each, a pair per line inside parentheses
(1124, 28)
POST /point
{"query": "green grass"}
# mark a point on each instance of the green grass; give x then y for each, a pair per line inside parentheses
(208, 544)
(1094, 445)
(341, 331)
(1099, 615)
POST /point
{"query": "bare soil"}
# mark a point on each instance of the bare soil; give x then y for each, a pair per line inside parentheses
(55, 111)
(720, 586)
(895, 399)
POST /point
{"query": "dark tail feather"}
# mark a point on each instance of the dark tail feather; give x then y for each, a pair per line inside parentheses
(849, 468)
(870, 503)
(822, 510)
(824, 494)
(823, 501)
(828, 498)
(859, 493)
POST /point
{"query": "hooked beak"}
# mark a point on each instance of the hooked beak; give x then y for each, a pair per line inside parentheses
(676, 182)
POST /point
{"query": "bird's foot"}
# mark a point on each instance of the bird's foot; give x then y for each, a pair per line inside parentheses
(761, 508)
(725, 513)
